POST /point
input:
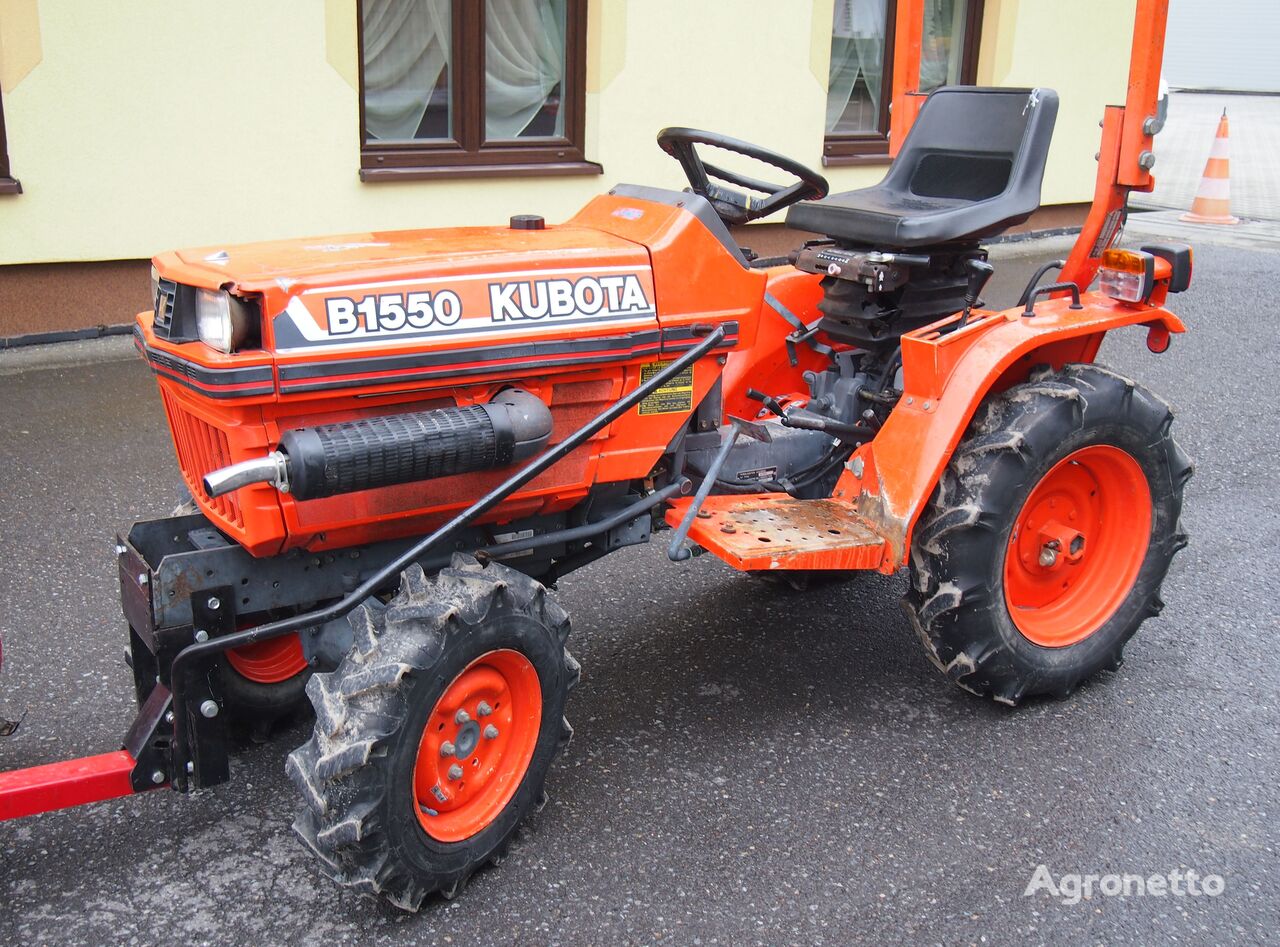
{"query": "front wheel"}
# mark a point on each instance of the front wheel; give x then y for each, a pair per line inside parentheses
(434, 736)
(1046, 542)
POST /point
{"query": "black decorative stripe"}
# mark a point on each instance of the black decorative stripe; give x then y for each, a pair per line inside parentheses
(290, 340)
(620, 347)
(214, 382)
(428, 374)
(681, 337)
(358, 372)
(531, 356)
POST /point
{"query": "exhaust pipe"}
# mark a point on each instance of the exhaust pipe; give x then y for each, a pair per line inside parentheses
(272, 469)
(402, 448)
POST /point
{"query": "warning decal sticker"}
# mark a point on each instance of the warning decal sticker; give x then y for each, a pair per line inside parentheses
(675, 396)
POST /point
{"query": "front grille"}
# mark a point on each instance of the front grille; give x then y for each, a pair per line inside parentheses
(202, 448)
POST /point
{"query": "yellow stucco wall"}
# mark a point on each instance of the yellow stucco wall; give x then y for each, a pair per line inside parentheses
(151, 124)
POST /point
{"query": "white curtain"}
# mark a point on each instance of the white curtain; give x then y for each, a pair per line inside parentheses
(406, 46)
(857, 49)
(944, 41)
(523, 63)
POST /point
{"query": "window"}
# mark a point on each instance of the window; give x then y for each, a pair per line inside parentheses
(860, 82)
(472, 87)
(8, 183)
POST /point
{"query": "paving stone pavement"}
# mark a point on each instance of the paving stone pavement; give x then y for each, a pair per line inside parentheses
(1182, 149)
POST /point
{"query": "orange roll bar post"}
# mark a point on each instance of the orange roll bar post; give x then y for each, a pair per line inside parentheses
(1125, 157)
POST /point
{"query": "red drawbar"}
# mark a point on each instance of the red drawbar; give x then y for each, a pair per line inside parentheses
(61, 785)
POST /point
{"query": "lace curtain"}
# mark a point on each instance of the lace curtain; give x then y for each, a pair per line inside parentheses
(943, 47)
(406, 52)
(407, 47)
(523, 63)
(857, 50)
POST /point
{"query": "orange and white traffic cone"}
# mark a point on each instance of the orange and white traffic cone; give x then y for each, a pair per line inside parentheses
(1213, 200)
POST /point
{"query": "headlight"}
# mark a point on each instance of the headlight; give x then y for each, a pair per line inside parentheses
(225, 322)
(155, 285)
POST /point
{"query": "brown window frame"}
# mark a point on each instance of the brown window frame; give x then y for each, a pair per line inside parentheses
(842, 150)
(8, 183)
(468, 154)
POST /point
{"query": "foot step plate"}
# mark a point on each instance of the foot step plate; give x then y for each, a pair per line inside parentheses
(776, 531)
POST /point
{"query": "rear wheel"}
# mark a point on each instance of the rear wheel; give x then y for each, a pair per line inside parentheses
(1046, 542)
(434, 736)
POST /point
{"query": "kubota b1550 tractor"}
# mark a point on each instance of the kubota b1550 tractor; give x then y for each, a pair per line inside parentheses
(396, 443)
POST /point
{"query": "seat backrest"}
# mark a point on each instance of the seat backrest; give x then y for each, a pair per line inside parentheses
(972, 144)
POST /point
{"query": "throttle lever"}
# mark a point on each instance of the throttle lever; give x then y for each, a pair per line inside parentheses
(769, 401)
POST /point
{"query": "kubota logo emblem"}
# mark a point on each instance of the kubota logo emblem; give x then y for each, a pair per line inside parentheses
(397, 312)
(558, 298)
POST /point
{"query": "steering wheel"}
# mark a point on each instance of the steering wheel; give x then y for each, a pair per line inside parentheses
(735, 206)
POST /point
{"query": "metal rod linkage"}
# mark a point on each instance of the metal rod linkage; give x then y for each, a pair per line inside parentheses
(677, 551)
(348, 602)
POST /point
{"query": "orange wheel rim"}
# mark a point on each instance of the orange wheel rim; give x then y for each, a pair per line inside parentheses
(1077, 545)
(476, 745)
(269, 662)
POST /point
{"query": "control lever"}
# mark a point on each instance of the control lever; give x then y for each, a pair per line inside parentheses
(979, 273)
(811, 421)
(769, 401)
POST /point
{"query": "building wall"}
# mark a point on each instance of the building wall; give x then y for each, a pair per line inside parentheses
(158, 123)
(1227, 45)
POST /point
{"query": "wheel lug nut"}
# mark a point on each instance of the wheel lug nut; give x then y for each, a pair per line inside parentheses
(461, 717)
(447, 748)
(455, 771)
(484, 709)
(491, 732)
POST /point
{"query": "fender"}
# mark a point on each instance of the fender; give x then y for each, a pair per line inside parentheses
(947, 374)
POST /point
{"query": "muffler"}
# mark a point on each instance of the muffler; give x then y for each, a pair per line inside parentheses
(348, 456)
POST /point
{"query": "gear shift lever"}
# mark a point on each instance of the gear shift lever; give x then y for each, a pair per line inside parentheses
(979, 272)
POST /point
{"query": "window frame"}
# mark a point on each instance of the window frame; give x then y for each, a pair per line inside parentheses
(468, 154)
(8, 183)
(862, 149)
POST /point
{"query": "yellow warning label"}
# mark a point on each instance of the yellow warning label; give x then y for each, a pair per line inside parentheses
(675, 396)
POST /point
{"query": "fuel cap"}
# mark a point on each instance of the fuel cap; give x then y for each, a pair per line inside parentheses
(528, 222)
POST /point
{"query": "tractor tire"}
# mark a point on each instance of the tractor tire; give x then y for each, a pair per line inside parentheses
(434, 736)
(1050, 532)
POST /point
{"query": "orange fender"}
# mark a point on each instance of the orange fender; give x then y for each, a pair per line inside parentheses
(945, 378)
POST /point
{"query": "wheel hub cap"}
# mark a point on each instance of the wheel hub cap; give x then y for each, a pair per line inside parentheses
(271, 661)
(466, 772)
(1077, 546)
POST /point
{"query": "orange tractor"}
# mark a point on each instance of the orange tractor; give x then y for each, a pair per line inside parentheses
(397, 443)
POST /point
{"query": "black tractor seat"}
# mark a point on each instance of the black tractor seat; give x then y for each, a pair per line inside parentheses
(970, 168)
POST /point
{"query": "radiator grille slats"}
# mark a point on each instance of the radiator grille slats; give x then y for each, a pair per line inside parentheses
(201, 448)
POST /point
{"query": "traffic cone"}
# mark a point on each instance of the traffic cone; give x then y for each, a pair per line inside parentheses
(1213, 200)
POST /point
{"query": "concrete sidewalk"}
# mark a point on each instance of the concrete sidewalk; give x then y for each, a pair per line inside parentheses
(1182, 149)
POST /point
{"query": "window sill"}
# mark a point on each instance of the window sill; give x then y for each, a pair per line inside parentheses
(10, 186)
(548, 169)
(840, 161)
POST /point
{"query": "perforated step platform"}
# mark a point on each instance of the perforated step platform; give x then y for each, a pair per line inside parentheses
(776, 531)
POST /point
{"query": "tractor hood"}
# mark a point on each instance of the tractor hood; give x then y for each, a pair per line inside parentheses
(401, 290)
(315, 259)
